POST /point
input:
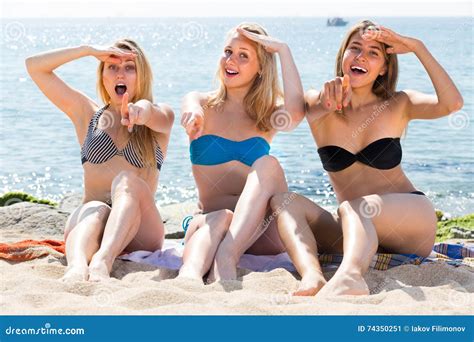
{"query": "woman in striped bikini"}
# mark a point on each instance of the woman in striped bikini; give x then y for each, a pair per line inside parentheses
(230, 131)
(123, 145)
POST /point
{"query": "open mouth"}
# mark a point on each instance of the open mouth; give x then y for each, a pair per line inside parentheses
(231, 73)
(358, 70)
(120, 89)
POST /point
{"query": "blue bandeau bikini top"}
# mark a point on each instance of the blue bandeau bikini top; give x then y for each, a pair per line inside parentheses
(211, 149)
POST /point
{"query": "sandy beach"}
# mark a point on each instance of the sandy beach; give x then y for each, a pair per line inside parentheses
(33, 287)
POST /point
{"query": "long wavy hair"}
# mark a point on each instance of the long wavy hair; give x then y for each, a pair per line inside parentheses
(264, 93)
(142, 138)
(384, 85)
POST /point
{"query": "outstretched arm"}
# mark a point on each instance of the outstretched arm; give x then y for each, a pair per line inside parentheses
(69, 100)
(292, 87)
(157, 117)
(448, 99)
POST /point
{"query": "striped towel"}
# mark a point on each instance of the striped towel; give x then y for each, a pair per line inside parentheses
(453, 254)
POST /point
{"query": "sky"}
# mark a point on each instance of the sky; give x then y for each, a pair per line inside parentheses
(232, 8)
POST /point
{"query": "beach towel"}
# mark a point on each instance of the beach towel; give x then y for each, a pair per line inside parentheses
(30, 249)
(170, 257)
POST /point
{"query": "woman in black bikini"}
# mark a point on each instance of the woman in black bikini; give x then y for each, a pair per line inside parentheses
(123, 145)
(358, 119)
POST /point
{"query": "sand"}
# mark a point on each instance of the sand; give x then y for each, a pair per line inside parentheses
(33, 288)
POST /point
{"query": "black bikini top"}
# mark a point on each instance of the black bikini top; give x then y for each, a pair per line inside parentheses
(383, 154)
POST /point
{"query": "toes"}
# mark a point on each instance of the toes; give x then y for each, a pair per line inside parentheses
(75, 275)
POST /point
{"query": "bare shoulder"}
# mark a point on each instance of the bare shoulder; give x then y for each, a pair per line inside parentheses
(395, 106)
(397, 102)
(403, 96)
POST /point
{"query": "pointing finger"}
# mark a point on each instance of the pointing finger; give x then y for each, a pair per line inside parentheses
(124, 107)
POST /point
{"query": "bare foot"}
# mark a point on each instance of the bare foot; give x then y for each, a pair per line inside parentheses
(222, 271)
(345, 283)
(310, 284)
(98, 270)
(188, 273)
(75, 273)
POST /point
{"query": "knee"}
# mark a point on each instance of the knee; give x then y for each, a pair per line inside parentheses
(270, 173)
(267, 162)
(225, 216)
(282, 201)
(95, 211)
(345, 208)
(366, 207)
(223, 219)
(348, 209)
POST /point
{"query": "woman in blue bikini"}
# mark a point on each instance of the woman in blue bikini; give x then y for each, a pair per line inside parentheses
(230, 131)
(123, 144)
(357, 120)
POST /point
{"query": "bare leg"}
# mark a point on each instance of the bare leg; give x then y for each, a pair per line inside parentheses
(134, 224)
(203, 237)
(82, 234)
(400, 223)
(304, 227)
(265, 179)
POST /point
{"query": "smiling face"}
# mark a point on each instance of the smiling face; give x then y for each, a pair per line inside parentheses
(366, 62)
(239, 64)
(363, 61)
(120, 78)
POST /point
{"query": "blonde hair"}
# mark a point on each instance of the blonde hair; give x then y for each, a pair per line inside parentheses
(264, 93)
(142, 138)
(384, 85)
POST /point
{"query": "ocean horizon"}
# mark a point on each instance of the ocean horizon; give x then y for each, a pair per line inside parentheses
(40, 154)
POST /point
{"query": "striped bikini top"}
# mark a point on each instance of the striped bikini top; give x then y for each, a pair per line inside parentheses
(99, 147)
